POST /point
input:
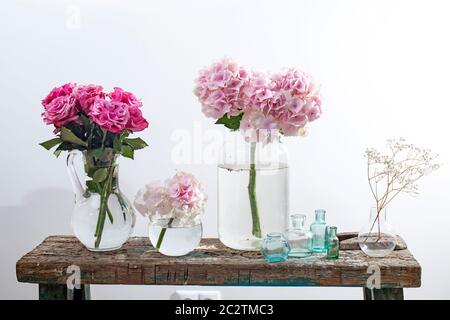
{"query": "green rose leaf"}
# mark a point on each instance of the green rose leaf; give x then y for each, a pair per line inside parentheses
(100, 175)
(86, 122)
(136, 143)
(96, 153)
(117, 146)
(127, 152)
(232, 122)
(69, 136)
(51, 143)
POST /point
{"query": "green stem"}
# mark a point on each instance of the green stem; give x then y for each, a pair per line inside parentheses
(256, 226)
(110, 216)
(162, 233)
(103, 207)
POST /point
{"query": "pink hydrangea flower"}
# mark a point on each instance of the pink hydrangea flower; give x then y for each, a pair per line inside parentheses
(64, 90)
(218, 88)
(110, 115)
(124, 96)
(153, 198)
(87, 94)
(60, 110)
(182, 196)
(184, 190)
(136, 120)
(286, 101)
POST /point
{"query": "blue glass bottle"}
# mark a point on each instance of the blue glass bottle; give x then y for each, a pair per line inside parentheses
(275, 247)
(319, 229)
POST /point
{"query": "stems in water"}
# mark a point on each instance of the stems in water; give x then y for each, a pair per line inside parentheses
(256, 227)
(162, 234)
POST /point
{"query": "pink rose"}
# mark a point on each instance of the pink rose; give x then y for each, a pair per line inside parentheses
(87, 94)
(60, 111)
(126, 97)
(136, 121)
(64, 90)
(110, 115)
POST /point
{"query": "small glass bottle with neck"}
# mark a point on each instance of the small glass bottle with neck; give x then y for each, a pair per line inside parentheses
(299, 238)
(333, 244)
(319, 229)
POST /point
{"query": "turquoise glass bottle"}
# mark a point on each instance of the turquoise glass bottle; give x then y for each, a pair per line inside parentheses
(275, 247)
(333, 244)
(319, 229)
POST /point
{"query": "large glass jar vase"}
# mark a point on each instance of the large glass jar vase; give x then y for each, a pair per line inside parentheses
(253, 190)
(103, 218)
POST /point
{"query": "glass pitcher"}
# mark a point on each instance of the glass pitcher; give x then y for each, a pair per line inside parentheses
(103, 218)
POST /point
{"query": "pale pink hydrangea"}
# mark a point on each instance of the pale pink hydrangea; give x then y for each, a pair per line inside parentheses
(181, 196)
(153, 198)
(218, 88)
(286, 101)
(112, 116)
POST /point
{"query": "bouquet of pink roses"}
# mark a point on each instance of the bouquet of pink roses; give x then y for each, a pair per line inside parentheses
(86, 118)
(98, 124)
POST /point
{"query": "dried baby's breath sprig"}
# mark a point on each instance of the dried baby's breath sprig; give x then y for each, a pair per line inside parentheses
(397, 171)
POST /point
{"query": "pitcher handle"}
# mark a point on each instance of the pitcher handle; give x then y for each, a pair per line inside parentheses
(73, 175)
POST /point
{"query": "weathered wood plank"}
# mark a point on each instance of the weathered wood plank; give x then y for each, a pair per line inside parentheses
(212, 263)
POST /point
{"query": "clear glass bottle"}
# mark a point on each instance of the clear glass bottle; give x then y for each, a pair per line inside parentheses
(333, 244)
(275, 247)
(299, 238)
(319, 229)
(103, 218)
(253, 192)
(377, 238)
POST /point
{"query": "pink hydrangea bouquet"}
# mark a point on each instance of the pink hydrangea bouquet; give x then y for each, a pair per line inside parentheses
(180, 198)
(97, 123)
(258, 104)
(239, 99)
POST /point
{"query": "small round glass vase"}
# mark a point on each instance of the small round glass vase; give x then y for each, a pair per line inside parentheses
(275, 247)
(377, 238)
(173, 236)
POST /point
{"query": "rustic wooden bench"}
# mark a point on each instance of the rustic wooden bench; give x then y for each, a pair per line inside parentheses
(52, 263)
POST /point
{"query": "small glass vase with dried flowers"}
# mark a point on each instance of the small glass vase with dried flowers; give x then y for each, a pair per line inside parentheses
(173, 207)
(390, 175)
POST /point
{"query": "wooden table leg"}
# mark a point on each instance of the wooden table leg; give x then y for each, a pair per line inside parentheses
(383, 294)
(61, 292)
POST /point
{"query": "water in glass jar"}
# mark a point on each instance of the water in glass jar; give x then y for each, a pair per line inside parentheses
(235, 218)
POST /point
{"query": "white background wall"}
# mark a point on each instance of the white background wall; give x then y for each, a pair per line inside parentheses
(383, 66)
